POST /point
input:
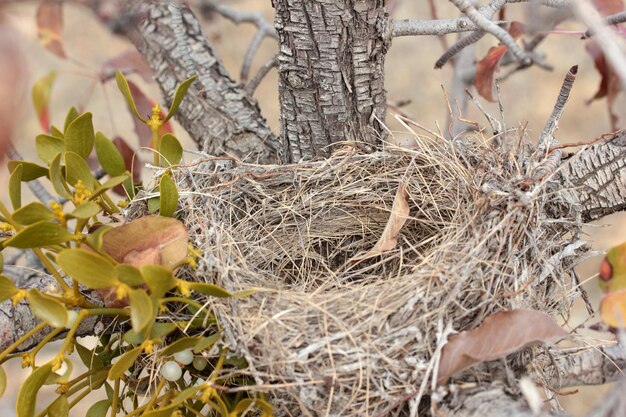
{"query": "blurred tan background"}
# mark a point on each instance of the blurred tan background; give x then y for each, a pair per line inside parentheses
(528, 96)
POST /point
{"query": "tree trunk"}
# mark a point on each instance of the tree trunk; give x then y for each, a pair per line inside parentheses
(331, 73)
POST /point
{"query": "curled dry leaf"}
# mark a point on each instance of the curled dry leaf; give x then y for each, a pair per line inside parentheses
(50, 25)
(399, 215)
(487, 67)
(11, 81)
(500, 334)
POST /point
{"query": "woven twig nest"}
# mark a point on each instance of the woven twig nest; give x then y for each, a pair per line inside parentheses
(324, 334)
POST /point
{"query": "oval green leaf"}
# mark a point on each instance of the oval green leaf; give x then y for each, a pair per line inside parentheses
(72, 114)
(86, 210)
(79, 135)
(159, 279)
(48, 147)
(7, 288)
(76, 168)
(32, 213)
(88, 357)
(206, 343)
(171, 149)
(15, 186)
(39, 234)
(57, 179)
(26, 398)
(125, 361)
(95, 239)
(47, 308)
(3, 381)
(88, 268)
(99, 409)
(141, 310)
(169, 196)
(209, 289)
(109, 156)
(178, 96)
(59, 408)
(54, 131)
(30, 171)
(122, 84)
(180, 345)
(129, 275)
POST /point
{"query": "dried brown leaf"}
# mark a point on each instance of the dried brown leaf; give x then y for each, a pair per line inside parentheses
(50, 25)
(610, 86)
(499, 335)
(399, 214)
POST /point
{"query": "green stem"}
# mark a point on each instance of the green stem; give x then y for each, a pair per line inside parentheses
(116, 393)
(108, 312)
(21, 340)
(43, 342)
(46, 262)
(80, 397)
(156, 141)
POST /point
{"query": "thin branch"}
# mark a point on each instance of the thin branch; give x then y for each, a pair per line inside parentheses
(588, 366)
(263, 71)
(250, 53)
(461, 44)
(547, 135)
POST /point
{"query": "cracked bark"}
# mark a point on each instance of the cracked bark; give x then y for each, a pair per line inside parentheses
(220, 116)
(331, 73)
(597, 178)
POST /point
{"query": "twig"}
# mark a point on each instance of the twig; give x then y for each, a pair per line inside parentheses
(249, 57)
(551, 125)
(467, 7)
(495, 125)
(461, 44)
(611, 20)
(263, 71)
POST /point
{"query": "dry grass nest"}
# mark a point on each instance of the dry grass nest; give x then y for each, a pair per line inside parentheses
(324, 334)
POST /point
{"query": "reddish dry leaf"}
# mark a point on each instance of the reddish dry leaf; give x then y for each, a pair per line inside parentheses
(607, 7)
(128, 62)
(131, 161)
(144, 107)
(499, 335)
(399, 215)
(11, 81)
(486, 68)
(50, 25)
(148, 240)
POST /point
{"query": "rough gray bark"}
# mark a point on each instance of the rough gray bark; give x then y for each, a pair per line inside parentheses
(597, 176)
(331, 73)
(218, 113)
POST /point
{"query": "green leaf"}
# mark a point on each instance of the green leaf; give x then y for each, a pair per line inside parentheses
(86, 210)
(159, 280)
(88, 357)
(26, 398)
(178, 96)
(160, 330)
(30, 171)
(171, 149)
(54, 131)
(169, 196)
(57, 179)
(108, 184)
(209, 289)
(41, 98)
(109, 156)
(7, 288)
(47, 308)
(206, 343)
(1, 262)
(32, 213)
(95, 239)
(248, 404)
(48, 147)
(180, 345)
(141, 310)
(3, 381)
(129, 275)
(122, 84)
(153, 204)
(72, 114)
(59, 408)
(88, 268)
(124, 362)
(99, 409)
(38, 235)
(54, 378)
(15, 186)
(79, 135)
(76, 168)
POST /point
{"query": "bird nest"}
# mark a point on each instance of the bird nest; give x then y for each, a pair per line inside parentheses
(328, 332)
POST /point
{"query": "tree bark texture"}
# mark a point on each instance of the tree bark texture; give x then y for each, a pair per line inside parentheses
(331, 73)
(597, 177)
(220, 116)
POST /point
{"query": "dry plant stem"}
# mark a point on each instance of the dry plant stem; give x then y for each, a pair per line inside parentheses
(263, 71)
(462, 79)
(461, 44)
(479, 19)
(222, 117)
(611, 44)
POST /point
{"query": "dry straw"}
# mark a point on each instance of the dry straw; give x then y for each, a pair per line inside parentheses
(328, 336)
